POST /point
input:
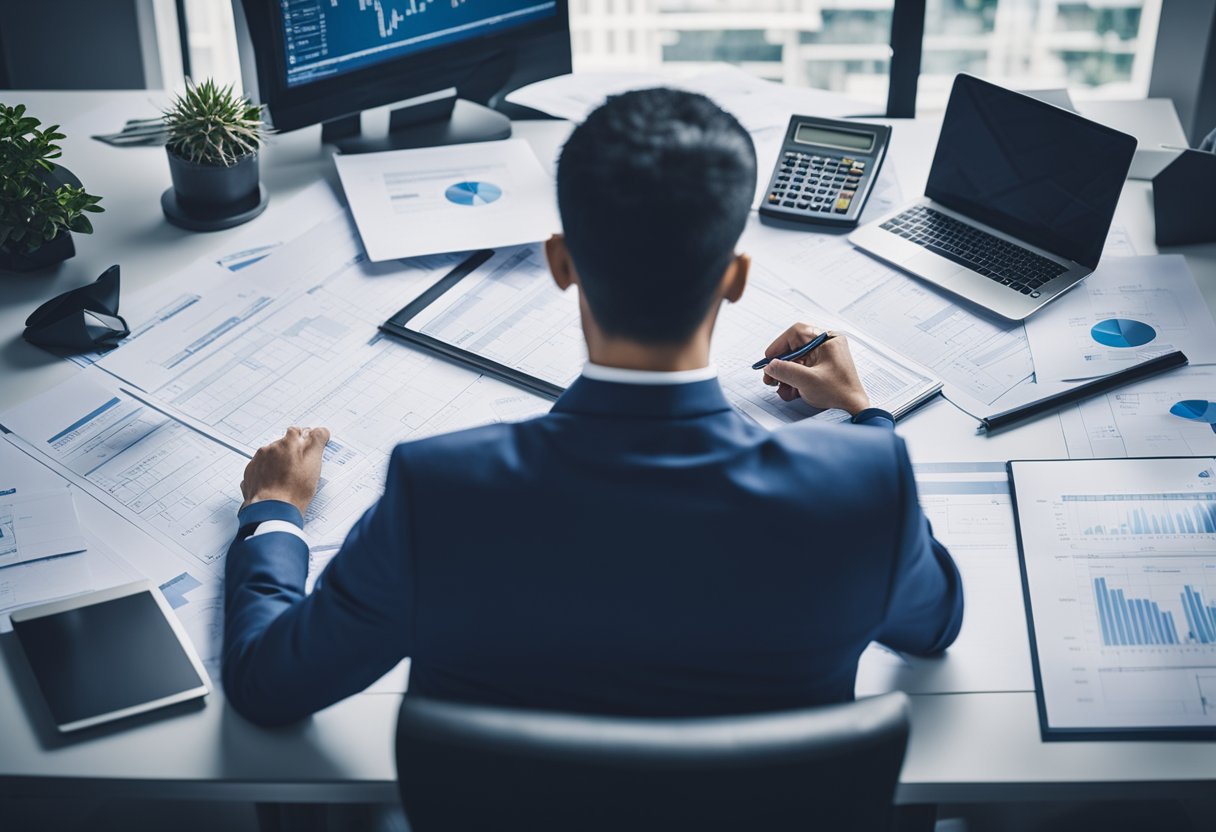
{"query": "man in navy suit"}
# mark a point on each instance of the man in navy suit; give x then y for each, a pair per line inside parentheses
(642, 549)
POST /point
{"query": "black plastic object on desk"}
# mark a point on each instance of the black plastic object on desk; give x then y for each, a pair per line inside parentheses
(1182, 199)
(82, 320)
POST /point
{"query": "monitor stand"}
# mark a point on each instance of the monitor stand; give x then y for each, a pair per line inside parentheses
(446, 120)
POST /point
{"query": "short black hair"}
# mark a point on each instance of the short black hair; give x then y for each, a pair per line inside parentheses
(654, 190)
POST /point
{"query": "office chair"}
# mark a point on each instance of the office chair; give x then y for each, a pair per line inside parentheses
(472, 767)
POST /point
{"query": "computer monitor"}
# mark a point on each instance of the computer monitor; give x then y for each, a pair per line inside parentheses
(326, 61)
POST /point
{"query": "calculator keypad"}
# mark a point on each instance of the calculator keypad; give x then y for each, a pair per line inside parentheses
(816, 183)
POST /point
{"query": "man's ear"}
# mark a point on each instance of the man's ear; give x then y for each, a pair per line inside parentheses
(734, 281)
(560, 264)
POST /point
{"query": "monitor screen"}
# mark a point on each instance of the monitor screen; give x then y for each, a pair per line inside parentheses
(323, 38)
(1044, 175)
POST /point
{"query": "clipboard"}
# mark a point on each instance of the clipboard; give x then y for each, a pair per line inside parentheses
(398, 327)
(1056, 733)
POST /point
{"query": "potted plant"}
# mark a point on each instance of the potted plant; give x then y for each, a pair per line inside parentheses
(214, 135)
(41, 202)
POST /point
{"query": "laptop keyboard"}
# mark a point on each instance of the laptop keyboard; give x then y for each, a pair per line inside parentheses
(996, 259)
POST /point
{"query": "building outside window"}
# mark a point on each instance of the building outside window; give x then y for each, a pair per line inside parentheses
(1096, 48)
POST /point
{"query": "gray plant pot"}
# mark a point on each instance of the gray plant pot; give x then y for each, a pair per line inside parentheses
(48, 254)
(212, 189)
(213, 197)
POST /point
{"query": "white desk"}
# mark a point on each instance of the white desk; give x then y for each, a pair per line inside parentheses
(964, 747)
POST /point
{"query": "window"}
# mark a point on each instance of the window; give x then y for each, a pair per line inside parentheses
(1097, 48)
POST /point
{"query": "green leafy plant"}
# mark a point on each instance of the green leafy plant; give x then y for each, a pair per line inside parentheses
(213, 125)
(32, 211)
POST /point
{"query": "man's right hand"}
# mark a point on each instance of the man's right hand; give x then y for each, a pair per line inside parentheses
(826, 378)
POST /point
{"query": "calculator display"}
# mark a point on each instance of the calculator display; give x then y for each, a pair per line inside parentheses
(843, 139)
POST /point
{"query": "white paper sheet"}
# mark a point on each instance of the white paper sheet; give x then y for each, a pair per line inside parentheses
(37, 524)
(408, 203)
(969, 507)
(755, 102)
(53, 578)
(1128, 311)
(1121, 570)
(1170, 415)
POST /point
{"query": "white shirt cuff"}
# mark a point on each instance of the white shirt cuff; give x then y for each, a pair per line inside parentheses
(268, 526)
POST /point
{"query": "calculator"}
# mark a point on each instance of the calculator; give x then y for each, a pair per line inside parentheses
(825, 171)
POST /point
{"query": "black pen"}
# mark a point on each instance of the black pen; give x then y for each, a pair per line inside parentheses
(1105, 384)
(798, 353)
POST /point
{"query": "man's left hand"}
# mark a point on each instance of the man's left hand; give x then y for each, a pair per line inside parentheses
(287, 469)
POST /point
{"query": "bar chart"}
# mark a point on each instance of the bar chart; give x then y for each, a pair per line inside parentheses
(1122, 515)
(1138, 621)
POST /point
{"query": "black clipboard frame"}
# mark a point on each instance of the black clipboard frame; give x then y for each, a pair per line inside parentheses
(1046, 732)
(397, 326)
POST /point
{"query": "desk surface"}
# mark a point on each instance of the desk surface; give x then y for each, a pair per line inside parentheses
(964, 747)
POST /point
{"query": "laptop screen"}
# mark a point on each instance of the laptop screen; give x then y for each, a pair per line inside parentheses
(1047, 176)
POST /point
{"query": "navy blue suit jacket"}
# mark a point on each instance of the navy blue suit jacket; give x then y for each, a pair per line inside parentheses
(639, 550)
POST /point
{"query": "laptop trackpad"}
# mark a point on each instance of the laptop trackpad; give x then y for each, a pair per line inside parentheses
(932, 266)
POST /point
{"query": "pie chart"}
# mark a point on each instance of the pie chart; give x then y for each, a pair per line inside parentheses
(1197, 410)
(1122, 332)
(473, 193)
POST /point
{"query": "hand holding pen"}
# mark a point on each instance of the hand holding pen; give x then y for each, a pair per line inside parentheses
(816, 366)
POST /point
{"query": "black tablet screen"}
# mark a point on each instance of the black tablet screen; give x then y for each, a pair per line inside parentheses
(105, 657)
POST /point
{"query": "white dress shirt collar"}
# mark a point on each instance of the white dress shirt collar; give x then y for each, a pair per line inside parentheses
(620, 375)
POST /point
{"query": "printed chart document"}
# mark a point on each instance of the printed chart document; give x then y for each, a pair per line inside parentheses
(1119, 558)
(969, 507)
(978, 355)
(1129, 310)
(37, 524)
(153, 470)
(255, 355)
(23, 583)
(506, 316)
(1170, 415)
(455, 198)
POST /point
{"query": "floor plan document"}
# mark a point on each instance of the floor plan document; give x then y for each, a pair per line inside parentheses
(155, 471)
(969, 507)
(1119, 559)
(508, 311)
(979, 355)
(1130, 310)
(1170, 415)
(439, 199)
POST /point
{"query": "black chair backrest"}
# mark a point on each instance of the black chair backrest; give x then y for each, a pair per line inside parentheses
(472, 767)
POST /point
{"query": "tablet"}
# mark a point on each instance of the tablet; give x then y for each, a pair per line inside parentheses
(110, 654)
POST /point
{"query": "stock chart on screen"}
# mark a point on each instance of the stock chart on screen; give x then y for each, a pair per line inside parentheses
(328, 37)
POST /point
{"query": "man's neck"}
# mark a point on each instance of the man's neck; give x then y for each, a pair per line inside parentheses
(630, 355)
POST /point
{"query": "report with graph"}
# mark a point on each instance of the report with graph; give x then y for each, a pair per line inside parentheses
(1119, 563)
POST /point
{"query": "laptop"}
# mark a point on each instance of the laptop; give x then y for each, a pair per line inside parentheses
(1018, 203)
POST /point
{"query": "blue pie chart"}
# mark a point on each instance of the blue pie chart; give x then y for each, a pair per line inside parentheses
(1122, 332)
(1197, 410)
(473, 193)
